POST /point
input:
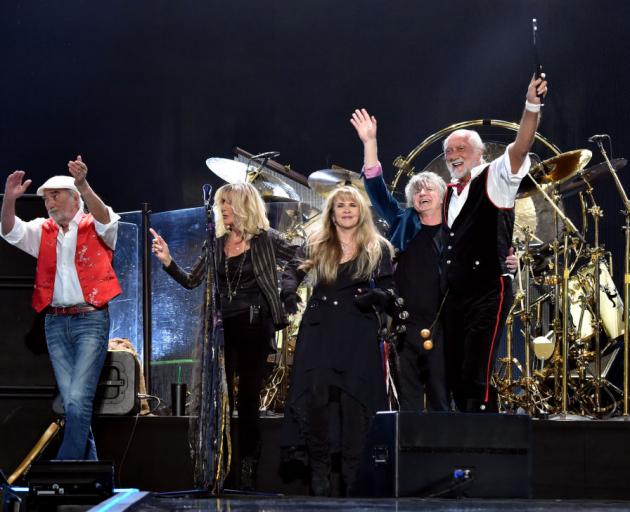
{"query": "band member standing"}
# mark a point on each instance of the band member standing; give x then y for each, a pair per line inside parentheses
(337, 360)
(416, 232)
(474, 309)
(246, 254)
(74, 281)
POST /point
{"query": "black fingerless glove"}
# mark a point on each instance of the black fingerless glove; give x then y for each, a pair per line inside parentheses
(376, 298)
(290, 300)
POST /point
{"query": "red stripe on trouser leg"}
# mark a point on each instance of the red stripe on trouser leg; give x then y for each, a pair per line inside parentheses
(494, 337)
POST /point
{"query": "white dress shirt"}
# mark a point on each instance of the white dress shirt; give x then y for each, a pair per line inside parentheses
(28, 235)
(502, 184)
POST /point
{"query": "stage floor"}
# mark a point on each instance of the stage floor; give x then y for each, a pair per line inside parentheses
(238, 503)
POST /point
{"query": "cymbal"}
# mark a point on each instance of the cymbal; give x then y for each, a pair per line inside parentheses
(590, 174)
(326, 180)
(271, 188)
(525, 217)
(555, 170)
(228, 170)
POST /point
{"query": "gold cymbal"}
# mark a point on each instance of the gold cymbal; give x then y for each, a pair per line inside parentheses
(326, 180)
(589, 175)
(555, 170)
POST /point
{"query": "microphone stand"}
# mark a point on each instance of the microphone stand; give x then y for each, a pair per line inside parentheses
(626, 278)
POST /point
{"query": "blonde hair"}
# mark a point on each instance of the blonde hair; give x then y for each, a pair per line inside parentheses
(323, 248)
(250, 217)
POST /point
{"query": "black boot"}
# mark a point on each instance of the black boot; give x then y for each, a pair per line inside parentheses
(249, 470)
(320, 478)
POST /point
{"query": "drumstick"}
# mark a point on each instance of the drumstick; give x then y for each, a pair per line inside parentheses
(538, 69)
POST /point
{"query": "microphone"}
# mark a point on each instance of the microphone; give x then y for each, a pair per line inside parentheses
(598, 136)
(268, 154)
(207, 192)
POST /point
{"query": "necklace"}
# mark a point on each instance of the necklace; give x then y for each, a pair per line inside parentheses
(346, 248)
(234, 246)
(232, 287)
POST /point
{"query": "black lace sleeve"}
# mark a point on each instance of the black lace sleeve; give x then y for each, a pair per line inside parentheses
(197, 274)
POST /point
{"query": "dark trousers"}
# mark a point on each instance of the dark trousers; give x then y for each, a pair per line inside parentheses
(473, 323)
(421, 372)
(246, 350)
(354, 422)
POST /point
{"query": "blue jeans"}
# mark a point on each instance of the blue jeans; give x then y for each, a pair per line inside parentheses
(77, 345)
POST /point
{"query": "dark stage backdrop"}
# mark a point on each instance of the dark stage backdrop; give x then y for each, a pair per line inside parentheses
(147, 90)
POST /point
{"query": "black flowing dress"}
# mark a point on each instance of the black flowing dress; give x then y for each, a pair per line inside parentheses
(337, 345)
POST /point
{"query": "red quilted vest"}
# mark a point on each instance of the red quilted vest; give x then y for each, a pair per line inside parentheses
(93, 260)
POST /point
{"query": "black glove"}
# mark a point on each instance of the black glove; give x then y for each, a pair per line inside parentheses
(372, 297)
(290, 300)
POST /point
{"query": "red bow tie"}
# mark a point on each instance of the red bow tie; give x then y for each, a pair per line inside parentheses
(461, 184)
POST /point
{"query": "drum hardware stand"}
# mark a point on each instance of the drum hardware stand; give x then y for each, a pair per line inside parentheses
(525, 318)
(626, 278)
(274, 394)
(569, 227)
(596, 254)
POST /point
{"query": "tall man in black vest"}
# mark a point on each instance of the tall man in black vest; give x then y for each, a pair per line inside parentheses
(474, 208)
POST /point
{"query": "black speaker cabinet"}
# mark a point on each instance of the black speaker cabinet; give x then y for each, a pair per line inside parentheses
(70, 481)
(117, 390)
(479, 455)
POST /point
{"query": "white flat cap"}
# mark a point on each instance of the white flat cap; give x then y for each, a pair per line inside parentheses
(58, 182)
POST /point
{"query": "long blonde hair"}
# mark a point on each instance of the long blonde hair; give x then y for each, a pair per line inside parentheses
(323, 247)
(250, 217)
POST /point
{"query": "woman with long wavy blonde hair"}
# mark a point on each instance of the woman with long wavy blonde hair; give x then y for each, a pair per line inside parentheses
(337, 359)
(332, 243)
(246, 257)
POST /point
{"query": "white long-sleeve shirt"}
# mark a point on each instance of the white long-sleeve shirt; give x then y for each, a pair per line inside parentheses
(28, 235)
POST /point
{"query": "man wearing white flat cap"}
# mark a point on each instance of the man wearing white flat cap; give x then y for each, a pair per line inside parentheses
(74, 282)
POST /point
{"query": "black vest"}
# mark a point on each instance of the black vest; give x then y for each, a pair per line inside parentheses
(475, 246)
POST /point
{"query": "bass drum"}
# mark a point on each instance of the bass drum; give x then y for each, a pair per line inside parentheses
(610, 302)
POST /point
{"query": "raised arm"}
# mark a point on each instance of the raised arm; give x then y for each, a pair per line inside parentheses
(13, 188)
(365, 125)
(381, 199)
(95, 204)
(529, 123)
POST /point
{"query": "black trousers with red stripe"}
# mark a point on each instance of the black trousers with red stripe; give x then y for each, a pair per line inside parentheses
(473, 324)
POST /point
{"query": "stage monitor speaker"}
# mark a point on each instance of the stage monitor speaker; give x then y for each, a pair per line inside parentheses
(447, 454)
(70, 482)
(118, 386)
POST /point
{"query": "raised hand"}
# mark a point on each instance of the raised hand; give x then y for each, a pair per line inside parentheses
(160, 248)
(537, 89)
(364, 124)
(14, 187)
(78, 170)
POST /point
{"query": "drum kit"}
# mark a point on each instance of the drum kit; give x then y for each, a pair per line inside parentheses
(567, 310)
(565, 330)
